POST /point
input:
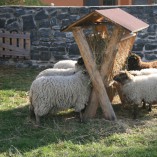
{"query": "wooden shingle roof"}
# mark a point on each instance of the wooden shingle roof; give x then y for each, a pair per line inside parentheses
(116, 16)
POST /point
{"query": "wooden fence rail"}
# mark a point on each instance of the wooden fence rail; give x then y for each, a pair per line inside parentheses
(14, 45)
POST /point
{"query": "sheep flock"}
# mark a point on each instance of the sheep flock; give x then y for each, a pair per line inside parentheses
(138, 85)
(67, 85)
(55, 89)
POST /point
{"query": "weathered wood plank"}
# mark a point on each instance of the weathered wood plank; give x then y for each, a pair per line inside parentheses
(14, 44)
(106, 68)
(27, 44)
(11, 35)
(94, 73)
(7, 42)
(21, 42)
(1, 41)
(12, 47)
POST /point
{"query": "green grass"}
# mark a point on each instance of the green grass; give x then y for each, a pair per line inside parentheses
(22, 2)
(62, 135)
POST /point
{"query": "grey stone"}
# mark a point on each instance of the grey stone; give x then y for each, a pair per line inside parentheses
(2, 23)
(41, 15)
(53, 21)
(56, 27)
(44, 48)
(59, 34)
(59, 57)
(45, 39)
(155, 52)
(74, 11)
(36, 43)
(69, 34)
(137, 47)
(59, 43)
(6, 10)
(5, 15)
(150, 57)
(21, 65)
(28, 23)
(47, 44)
(9, 21)
(44, 23)
(19, 12)
(74, 17)
(150, 47)
(63, 16)
(28, 62)
(35, 55)
(152, 37)
(74, 50)
(45, 32)
(60, 52)
(45, 55)
(13, 27)
(65, 22)
(142, 35)
(53, 13)
(34, 35)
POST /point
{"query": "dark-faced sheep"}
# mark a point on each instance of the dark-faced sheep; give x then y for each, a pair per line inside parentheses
(136, 89)
(79, 65)
(135, 62)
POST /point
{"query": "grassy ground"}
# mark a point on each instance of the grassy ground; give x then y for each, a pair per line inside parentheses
(22, 2)
(62, 135)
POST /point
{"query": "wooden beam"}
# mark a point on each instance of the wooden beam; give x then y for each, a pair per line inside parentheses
(106, 68)
(94, 73)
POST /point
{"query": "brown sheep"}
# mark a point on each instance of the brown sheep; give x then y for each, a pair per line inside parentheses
(134, 62)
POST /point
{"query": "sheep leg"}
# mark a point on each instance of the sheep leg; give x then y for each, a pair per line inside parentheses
(135, 108)
(144, 105)
(31, 112)
(37, 120)
(81, 116)
(150, 107)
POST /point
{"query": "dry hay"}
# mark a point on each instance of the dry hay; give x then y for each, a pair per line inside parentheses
(98, 42)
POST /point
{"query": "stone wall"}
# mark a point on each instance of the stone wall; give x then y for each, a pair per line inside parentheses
(49, 44)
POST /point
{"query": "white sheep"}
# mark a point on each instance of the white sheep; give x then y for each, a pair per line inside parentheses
(136, 89)
(143, 72)
(54, 93)
(65, 64)
(62, 72)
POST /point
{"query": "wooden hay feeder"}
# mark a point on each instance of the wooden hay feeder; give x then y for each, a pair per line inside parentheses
(104, 38)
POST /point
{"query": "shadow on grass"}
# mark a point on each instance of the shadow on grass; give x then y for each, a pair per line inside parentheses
(18, 79)
(16, 129)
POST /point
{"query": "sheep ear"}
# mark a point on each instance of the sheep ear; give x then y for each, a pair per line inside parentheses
(127, 73)
(84, 72)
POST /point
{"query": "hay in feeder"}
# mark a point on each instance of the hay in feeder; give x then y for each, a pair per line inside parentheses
(98, 42)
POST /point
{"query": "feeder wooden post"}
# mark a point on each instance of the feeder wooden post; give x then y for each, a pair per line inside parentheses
(94, 73)
(106, 68)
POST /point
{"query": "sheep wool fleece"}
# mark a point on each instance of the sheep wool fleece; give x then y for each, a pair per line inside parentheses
(53, 93)
(141, 88)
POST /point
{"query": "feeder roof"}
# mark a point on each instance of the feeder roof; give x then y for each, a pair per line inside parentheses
(116, 16)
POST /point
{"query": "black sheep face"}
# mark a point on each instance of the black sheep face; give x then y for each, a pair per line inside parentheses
(123, 77)
(80, 61)
(133, 62)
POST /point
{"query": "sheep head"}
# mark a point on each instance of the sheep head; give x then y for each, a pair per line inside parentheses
(123, 77)
(134, 62)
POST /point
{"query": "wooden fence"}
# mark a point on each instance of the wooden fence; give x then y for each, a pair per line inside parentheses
(14, 45)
